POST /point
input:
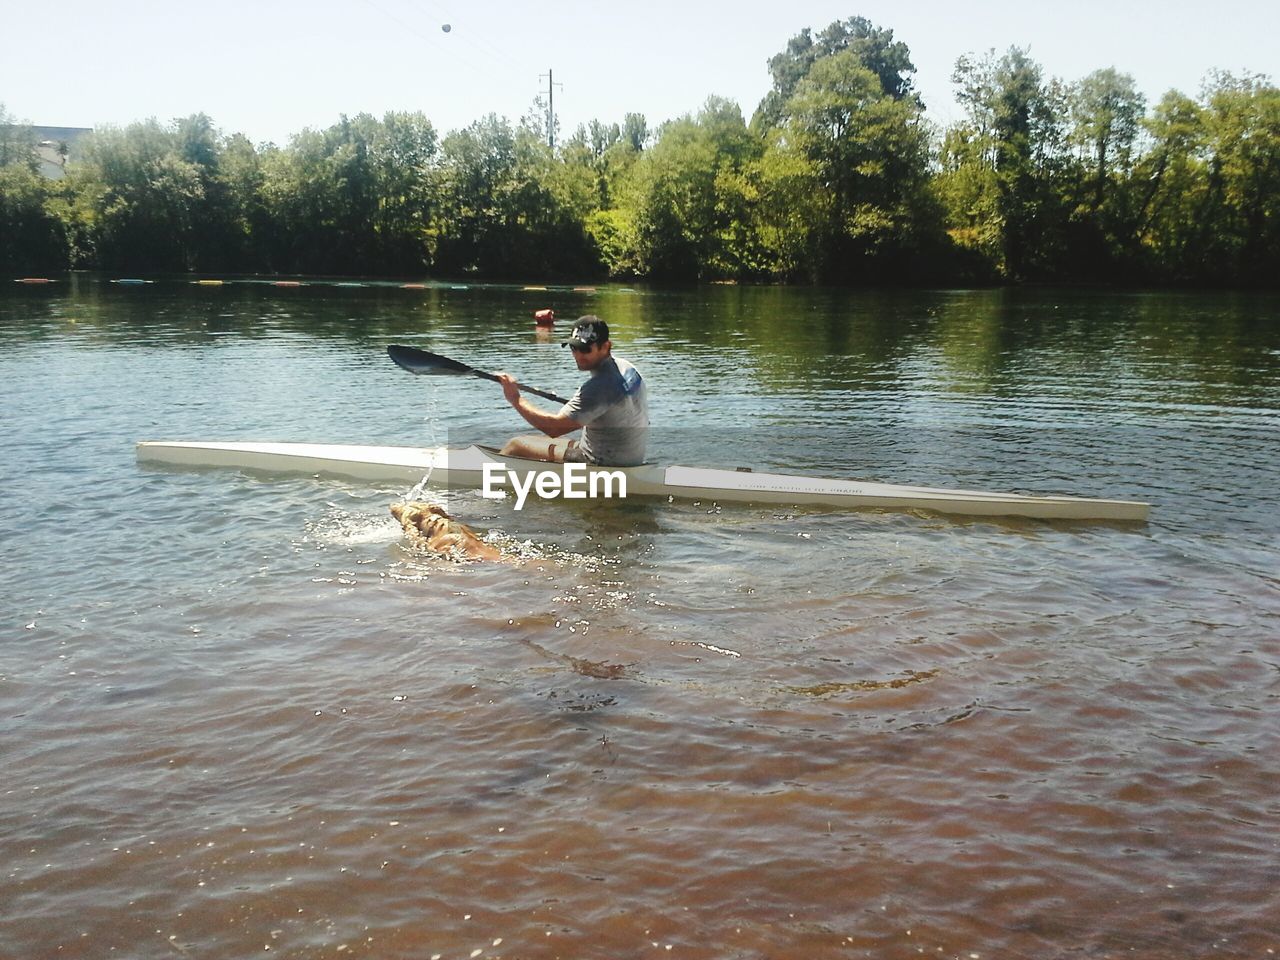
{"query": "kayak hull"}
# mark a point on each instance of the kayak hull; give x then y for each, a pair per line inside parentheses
(465, 468)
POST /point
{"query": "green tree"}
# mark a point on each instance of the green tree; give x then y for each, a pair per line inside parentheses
(17, 142)
(247, 226)
(1015, 132)
(1106, 111)
(177, 197)
(147, 199)
(1207, 192)
(477, 167)
(613, 226)
(32, 238)
(404, 154)
(551, 205)
(853, 158)
(509, 208)
(635, 131)
(1241, 219)
(354, 198)
(608, 150)
(966, 188)
(871, 46)
(1170, 185)
(218, 243)
(689, 199)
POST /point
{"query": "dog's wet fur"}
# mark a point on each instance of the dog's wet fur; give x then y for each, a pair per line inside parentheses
(430, 528)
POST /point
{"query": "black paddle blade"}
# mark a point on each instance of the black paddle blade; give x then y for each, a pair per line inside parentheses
(420, 361)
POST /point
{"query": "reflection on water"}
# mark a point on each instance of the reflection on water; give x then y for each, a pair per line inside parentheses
(859, 686)
(238, 716)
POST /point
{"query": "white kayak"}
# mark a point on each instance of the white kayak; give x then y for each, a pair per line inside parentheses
(465, 467)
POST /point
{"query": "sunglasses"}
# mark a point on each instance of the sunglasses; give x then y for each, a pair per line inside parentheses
(582, 347)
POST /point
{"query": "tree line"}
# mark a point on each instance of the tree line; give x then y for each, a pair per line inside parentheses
(838, 177)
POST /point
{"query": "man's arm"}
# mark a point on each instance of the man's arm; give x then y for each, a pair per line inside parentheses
(552, 424)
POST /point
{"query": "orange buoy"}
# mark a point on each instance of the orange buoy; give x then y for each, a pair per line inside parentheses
(35, 280)
(544, 318)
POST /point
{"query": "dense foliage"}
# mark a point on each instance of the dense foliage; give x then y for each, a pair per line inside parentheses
(838, 177)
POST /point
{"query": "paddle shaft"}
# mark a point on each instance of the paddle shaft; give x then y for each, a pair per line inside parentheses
(422, 362)
(527, 389)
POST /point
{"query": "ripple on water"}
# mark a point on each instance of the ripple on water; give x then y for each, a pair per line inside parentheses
(243, 716)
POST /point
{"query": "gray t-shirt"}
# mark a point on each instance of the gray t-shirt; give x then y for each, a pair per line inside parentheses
(612, 409)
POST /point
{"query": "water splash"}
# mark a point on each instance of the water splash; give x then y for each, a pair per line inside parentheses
(419, 490)
(346, 529)
(430, 417)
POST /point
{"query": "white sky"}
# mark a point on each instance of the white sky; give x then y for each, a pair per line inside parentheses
(270, 68)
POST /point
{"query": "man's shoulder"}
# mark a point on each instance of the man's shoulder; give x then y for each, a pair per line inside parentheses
(615, 379)
(627, 372)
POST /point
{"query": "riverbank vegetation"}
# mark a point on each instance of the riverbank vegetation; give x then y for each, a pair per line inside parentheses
(838, 177)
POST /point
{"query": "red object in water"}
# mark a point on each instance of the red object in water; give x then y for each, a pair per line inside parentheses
(35, 280)
(544, 318)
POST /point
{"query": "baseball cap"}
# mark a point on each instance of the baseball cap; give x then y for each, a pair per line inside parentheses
(588, 330)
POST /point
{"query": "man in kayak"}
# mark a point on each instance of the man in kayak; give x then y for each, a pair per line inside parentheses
(610, 408)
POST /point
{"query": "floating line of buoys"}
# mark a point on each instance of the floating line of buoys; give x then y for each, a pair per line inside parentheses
(33, 280)
(349, 284)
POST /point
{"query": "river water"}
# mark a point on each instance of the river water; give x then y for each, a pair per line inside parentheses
(238, 718)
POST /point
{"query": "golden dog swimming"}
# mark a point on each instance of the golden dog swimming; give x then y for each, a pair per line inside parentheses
(429, 527)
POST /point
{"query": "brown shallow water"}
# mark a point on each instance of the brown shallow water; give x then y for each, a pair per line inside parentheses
(237, 718)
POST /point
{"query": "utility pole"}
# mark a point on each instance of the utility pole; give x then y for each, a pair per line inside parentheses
(551, 106)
